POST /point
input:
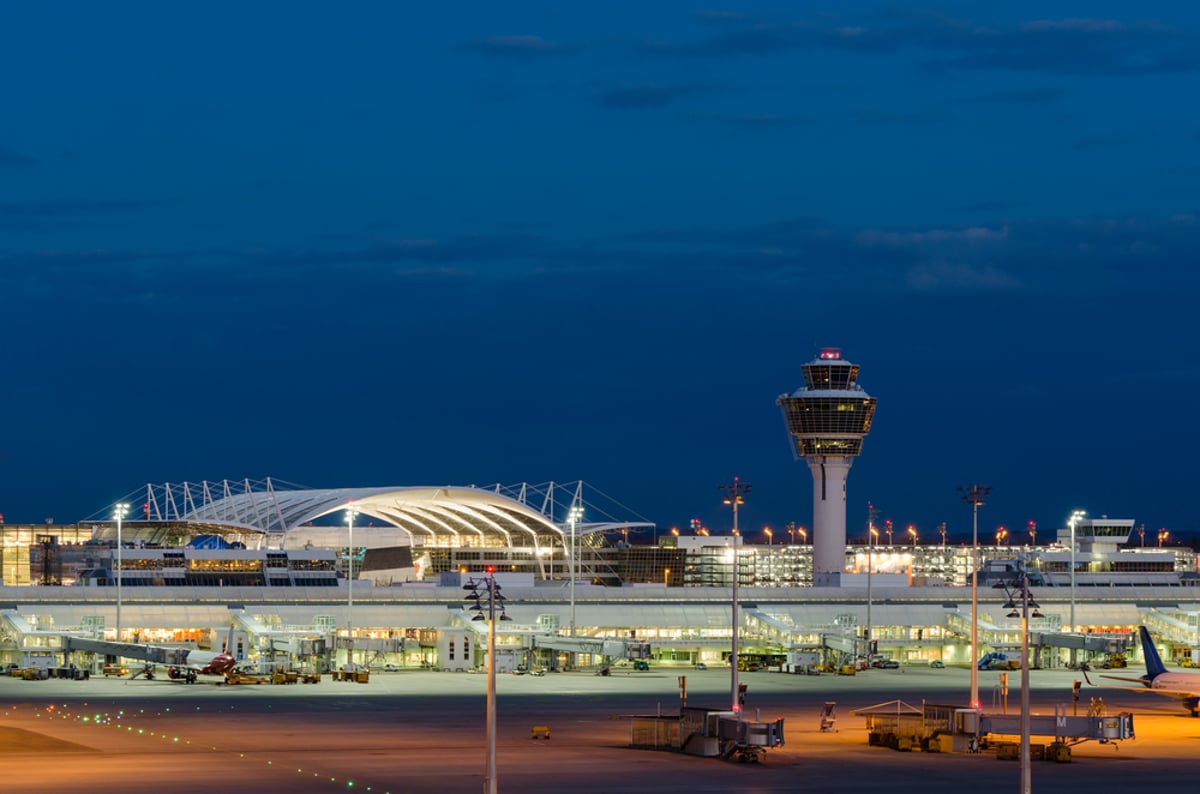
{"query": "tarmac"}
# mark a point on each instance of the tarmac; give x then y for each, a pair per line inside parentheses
(423, 731)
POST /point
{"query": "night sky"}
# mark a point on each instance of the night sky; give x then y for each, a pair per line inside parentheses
(469, 243)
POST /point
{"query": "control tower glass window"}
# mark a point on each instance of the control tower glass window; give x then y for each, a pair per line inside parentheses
(832, 415)
(830, 376)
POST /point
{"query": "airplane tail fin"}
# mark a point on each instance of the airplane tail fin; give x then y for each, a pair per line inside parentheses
(229, 640)
(1154, 664)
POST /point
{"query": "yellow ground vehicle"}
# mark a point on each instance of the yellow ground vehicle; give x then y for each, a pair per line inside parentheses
(753, 662)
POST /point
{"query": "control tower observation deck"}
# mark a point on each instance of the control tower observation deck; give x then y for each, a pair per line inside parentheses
(828, 418)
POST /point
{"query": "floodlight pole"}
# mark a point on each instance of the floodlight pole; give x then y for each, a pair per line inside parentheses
(120, 509)
(573, 516)
(871, 513)
(1026, 783)
(489, 783)
(973, 495)
(1072, 521)
(351, 512)
(735, 492)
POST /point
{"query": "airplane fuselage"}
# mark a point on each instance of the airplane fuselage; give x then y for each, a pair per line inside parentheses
(208, 663)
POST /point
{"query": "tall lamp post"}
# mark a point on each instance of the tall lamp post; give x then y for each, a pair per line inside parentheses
(1026, 603)
(974, 496)
(734, 495)
(1075, 518)
(120, 509)
(351, 513)
(872, 536)
(492, 593)
(573, 517)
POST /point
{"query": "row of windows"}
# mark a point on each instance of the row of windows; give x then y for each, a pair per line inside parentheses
(499, 554)
(224, 580)
(167, 563)
(828, 376)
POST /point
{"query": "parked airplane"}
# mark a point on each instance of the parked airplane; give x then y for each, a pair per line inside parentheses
(1184, 687)
(198, 663)
(182, 664)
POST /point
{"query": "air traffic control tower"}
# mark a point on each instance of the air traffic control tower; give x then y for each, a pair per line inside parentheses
(828, 418)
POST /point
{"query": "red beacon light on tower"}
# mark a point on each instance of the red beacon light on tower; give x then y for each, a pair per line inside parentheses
(830, 354)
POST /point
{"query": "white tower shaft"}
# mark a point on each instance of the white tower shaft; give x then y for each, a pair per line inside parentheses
(829, 512)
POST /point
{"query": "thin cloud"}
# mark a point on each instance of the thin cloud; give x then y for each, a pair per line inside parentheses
(755, 39)
(959, 276)
(1085, 47)
(1028, 96)
(38, 216)
(993, 205)
(1107, 255)
(640, 97)
(751, 120)
(1094, 142)
(11, 157)
(517, 47)
(885, 117)
(1076, 46)
(73, 207)
(722, 17)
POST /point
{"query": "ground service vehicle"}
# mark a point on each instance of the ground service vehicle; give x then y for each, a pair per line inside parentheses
(1001, 660)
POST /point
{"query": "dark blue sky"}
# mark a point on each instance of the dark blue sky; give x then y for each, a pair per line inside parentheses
(402, 244)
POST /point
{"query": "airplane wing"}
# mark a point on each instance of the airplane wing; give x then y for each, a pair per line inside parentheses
(1177, 694)
(1141, 688)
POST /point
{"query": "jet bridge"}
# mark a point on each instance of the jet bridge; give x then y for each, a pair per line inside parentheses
(1094, 643)
(299, 640)
(537, 638)
(153, 654)
(596, 646)
(942, 728)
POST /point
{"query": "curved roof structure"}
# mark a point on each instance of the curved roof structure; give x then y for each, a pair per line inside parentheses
(461, 513)
(428, 515)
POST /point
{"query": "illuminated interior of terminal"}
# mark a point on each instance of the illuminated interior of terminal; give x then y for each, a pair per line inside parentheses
(663, 595)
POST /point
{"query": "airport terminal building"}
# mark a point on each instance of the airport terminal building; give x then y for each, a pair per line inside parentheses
(271, 567)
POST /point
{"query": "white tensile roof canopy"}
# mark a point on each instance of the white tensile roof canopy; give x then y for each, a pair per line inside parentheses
(428, 515)
(429, 511)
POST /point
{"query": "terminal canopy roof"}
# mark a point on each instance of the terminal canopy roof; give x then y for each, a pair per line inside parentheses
(459, 512)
